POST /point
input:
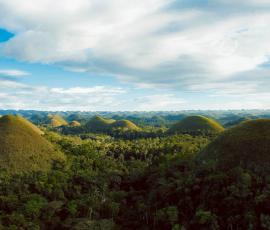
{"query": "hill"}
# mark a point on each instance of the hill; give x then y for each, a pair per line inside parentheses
(55, 121)
(100, 124)
(196, 125)
(246, 145)
(37, 118)
(74, 124)
(124, 124)
(74, 117)
(22, 148)
(237, 121)
(23, 121)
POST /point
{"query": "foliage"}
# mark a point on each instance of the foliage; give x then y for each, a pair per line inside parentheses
(140, 182)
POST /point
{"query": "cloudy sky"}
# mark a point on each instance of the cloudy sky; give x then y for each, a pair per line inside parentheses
(134, 55)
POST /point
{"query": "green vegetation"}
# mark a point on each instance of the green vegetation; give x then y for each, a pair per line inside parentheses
(55, 121)
(196, 125)
(22, 148)
(142, 179)
(246, 145)
(97, 186)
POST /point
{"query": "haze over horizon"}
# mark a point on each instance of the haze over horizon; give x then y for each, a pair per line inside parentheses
(148, 55)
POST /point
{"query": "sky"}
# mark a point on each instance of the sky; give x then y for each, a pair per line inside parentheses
(143, 55)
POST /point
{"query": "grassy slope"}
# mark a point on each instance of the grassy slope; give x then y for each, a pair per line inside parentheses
(22, 148)
(56, 121)
(196, 124)
(125, 124)
(98, 123)
(247, 144)
(75, 124)
(237, 122)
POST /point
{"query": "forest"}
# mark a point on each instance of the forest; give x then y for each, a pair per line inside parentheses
(144, 179)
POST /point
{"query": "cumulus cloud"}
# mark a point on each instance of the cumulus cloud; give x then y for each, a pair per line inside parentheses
(212, 46)
(7, 84)
(15, 95)
(159, 102)
(85, 91)
(13, 73)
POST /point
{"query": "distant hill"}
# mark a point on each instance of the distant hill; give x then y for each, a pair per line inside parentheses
(74, 117)
(55, 121)
(100, 124)
(22, 148)
(37, 118)
(124, 124)
(246, 145)
(237, 121)
(196, 124)
(74, 124)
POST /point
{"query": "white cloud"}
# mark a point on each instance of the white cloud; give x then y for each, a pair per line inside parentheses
(93, 90)
(16, 95)
(192, 46)
(13, 72)
(160, 102)
(11, 85)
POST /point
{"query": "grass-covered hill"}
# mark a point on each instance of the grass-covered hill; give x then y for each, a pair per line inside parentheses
(100, 124)
(196, 124)
(237, 121)
(74, 124)
(55, 121)
(22, 148)
(74, 117)
(124, 124)
(246, 145)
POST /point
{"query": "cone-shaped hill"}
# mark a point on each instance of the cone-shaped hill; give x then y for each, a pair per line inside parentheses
(74, 124)
(55, 121)
(124, 124)
(246, 145)
(237, 121)
(196, 125)
(22, 148)
(100, 124)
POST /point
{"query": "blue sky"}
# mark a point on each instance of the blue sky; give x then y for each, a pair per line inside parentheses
(134, 55)
(5, 35)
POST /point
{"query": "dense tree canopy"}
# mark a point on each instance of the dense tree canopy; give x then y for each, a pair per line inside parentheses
(143, 180)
